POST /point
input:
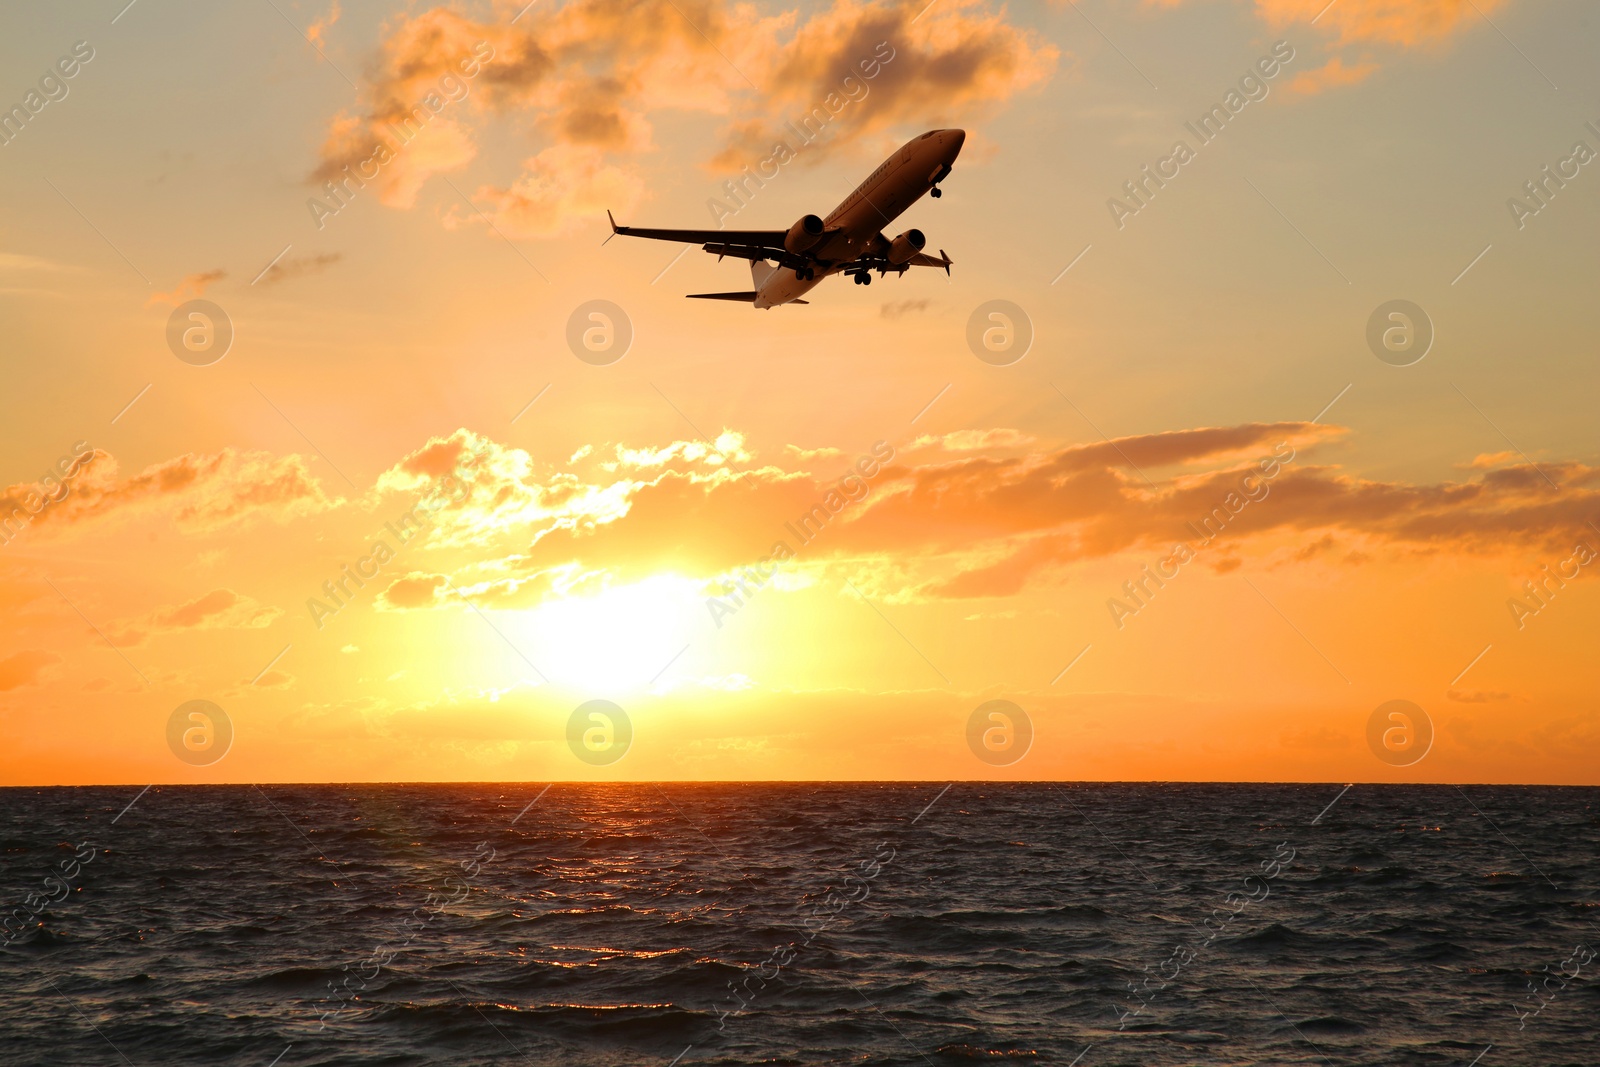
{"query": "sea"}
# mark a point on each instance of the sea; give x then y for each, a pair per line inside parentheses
(936, 924)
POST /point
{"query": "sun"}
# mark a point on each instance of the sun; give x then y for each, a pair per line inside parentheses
(625, 637)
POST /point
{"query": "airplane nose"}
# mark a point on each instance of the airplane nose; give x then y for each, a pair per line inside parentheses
(955, 138)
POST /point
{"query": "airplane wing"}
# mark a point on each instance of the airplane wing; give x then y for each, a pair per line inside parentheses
(921, 259)
(739, 238)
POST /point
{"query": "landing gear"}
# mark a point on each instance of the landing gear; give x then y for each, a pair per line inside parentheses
(936, 191)
(805, 274)
(862, 278)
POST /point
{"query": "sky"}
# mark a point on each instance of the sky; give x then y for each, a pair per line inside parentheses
(1289, 416)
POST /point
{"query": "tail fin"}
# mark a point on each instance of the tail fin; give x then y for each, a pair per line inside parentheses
(760, 271)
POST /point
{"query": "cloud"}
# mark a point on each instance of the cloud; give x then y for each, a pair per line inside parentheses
(220, 609)
(974, 440)
(421, 70)
(193, 286)
(1323, 738)
(825, 452)
(25, 668)
(705, 522)
(1403, 23)
(317, 32)
(980, 512)
(895, 309)
(529, 590)
(935, 66)
(981, 520)
(200, 492)
(1475, 696)
(1312, 549)
(1366, 26)
(729, 446)
(690, 521)
(561, 186)
(1330, 75)
(298, 267)
(273, 679)
(1491, 460)
(497, 491)
(20, 262)
(413, 591)
(586, 80)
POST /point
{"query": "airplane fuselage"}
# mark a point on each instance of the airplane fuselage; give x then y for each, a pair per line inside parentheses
(854, 226)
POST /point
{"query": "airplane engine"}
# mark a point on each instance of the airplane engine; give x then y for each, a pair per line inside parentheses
(804, 234)
(908, 244)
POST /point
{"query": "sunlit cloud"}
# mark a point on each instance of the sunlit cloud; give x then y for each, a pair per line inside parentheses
(1405, 23)
(26, 667)
(1332, 74)
(291, 267)
(1370, 28)
(414, 591)
(987, 523)
(317, 32)
(199, 492)
(192, 286)
(589, 79)
(220, 609)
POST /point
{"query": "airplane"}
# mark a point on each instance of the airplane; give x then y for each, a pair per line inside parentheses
(849, 241)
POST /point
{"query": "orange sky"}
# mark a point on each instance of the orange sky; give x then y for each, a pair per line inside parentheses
(398, 529)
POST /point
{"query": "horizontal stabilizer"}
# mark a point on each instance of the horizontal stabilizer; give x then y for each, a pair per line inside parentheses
(743, 298)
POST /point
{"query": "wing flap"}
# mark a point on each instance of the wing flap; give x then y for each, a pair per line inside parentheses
(750, 252)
